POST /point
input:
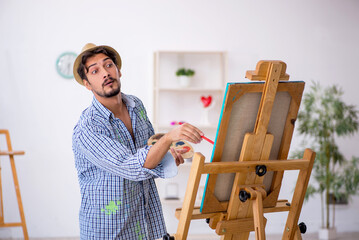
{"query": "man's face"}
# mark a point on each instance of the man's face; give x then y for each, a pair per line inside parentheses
(103, 76)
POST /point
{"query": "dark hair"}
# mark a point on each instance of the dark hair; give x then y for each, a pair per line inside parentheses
(81, 68)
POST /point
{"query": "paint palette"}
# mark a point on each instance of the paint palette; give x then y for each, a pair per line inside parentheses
(179, 145)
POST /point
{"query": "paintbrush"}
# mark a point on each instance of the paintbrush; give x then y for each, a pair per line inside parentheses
(205, 138)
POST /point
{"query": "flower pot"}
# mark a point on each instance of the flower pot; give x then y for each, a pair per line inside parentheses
(205, 118)
(327, 233)
(184, 81)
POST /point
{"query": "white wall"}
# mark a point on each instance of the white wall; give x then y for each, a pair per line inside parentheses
(317, 39)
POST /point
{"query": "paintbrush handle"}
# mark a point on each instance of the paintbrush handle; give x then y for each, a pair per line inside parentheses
(208, 140)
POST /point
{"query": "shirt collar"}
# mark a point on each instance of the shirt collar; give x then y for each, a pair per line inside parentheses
(106, 112)
(129, 101)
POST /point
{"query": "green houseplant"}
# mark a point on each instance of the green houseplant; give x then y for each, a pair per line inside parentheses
(184, 75)
(323, 118)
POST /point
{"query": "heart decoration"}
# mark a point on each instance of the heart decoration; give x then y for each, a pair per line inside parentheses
(206, 100)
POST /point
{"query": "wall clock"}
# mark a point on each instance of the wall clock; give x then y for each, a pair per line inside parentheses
(64, 64)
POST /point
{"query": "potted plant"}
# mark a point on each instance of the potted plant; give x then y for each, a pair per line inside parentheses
(323, 118)
(184, 75)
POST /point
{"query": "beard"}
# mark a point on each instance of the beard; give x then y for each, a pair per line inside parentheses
(113, 92)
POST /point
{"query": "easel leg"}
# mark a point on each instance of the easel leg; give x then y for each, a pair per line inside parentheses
(190, 196)
(297, 235)
(256, 204)
(19, 202)
(298, 197)
(258, 218)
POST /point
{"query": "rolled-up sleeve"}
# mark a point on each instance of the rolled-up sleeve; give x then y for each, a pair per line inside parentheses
(113, 157)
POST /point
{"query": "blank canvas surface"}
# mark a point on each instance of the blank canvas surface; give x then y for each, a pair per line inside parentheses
(242, 121)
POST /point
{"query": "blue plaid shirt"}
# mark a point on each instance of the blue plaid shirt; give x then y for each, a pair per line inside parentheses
(119, 196)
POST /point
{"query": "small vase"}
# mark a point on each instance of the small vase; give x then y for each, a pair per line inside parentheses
(205, 118)
(184, 81)
(327, 233)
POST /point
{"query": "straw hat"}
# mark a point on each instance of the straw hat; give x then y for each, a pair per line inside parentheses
(89, 47)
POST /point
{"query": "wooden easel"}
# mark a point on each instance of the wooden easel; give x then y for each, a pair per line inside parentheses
(243, 213)
(11, 155)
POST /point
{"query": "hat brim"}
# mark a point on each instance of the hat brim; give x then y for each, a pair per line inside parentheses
(79, 59)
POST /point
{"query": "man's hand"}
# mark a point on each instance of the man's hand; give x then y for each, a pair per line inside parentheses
(177, 155)
(186, 132)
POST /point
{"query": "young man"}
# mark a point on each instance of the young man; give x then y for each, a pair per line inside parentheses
(116, 168)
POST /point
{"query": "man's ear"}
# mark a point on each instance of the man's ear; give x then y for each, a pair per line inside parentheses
(87, 84)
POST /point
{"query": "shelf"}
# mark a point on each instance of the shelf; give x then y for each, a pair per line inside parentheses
(175, 101)
(170, 201)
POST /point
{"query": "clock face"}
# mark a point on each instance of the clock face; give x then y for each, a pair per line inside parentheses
(64, 64)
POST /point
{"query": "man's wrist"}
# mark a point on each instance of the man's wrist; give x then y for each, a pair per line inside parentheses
(167, 139)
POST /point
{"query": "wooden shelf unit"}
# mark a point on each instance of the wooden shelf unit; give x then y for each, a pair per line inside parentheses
(172, 102)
